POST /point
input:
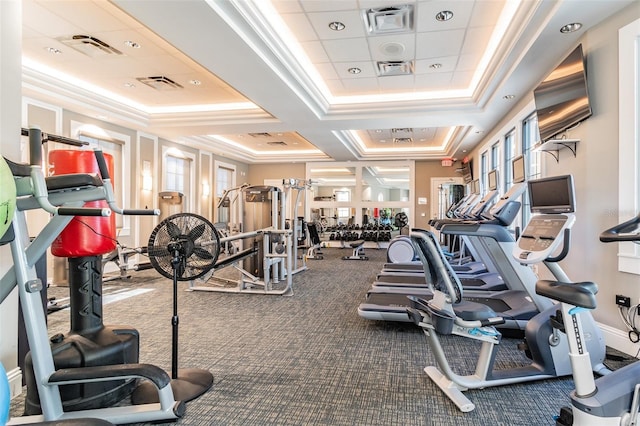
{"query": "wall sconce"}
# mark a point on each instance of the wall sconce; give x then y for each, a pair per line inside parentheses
(147, 179)
(206, 189)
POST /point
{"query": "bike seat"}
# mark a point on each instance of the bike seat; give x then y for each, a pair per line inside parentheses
(582, 294)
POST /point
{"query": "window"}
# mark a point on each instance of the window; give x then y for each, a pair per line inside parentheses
(224, 179)
(342, 196)
(629, 139)
(174, 176)
(178, 174)
(530, 135)
(495, 159)
(483, 172)
(510, 152)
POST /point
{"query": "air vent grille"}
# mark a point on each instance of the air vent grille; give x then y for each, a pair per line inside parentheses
(387, 20)
(260, 135)
(159, 82)
(277, 143)
(90, 46)
(402, 140)
(390, 68)
(402, 130)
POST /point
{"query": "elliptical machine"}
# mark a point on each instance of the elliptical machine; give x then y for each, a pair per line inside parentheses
(613, 399)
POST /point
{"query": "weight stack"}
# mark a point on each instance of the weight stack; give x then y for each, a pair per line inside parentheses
(88, 343)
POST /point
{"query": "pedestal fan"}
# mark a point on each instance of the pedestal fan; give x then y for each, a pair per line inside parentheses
(182, 247)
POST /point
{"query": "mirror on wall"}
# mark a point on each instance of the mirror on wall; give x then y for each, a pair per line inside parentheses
(332, 183)
(385, 183)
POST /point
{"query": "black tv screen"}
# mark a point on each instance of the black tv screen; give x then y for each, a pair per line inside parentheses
(562, 98)
(467, 172)
(552, 195)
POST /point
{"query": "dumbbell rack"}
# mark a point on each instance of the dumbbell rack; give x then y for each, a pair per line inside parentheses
(375, 236)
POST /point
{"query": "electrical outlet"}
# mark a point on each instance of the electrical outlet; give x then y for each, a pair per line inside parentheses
(623, 300)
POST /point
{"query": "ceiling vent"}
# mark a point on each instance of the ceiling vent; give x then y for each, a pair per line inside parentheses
(402, 130)
(260, 135)
(278, 143)
(90, 46)
(389, 68)
(402, 140)
(160, 82)
(389, 20)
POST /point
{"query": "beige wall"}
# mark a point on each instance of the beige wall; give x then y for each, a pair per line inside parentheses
(425, 171)
(259, 172)
(595, 171)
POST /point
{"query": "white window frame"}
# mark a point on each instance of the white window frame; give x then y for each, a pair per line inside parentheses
(177, 152)
(91, 130)
(629, 139)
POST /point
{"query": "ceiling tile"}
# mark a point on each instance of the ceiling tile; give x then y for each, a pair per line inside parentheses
(433, 81)
(486, 13)
(327, 71)
(287, 6)
(427, 11)
(300, 26)
(448, 64)
(329, 5)
(437, 44)
(367, 69)
(396, 82)
(315, 51)
(354, 26)
(392, 47)
(353, 49)
(476, 40)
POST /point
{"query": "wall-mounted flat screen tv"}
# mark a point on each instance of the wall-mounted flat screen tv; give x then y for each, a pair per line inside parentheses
(562, 98)
(467, 172)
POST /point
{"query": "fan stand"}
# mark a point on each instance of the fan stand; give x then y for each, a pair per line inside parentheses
(187, 384)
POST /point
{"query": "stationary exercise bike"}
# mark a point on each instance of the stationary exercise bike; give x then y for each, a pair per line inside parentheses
(613, 399)
(448, 314)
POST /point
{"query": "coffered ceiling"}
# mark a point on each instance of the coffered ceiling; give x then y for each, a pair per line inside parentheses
(300, 80)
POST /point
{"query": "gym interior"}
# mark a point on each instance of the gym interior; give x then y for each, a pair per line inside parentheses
(299, 212)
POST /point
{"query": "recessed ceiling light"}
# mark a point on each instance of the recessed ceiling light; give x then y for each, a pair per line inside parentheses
(479, 132)
(445, 15)
(336, 26)
(435, 66)
(508, 97)
(378, 130)
(129, 85)
(195, 82)
(383, 140)
(132, 44)
(53, 50)
(354, 70)
(569, 28)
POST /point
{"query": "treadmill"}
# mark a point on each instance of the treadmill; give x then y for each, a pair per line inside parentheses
(387, 302)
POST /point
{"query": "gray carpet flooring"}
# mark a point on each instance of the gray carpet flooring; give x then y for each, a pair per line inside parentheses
(310, 359)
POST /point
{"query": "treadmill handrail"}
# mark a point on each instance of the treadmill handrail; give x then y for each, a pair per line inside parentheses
(496, 232)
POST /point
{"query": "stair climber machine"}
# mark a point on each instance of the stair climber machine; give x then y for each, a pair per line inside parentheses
(85, 372)
(613, 399)
(546, 343)
(517, 304)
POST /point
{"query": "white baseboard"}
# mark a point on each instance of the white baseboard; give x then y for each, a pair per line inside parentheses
(15, 382)
(618, 339)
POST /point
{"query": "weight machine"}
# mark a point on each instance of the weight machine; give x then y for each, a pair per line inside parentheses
(266, 259)
(63, 197)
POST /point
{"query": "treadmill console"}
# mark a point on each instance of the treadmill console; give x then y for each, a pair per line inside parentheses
(542, 236)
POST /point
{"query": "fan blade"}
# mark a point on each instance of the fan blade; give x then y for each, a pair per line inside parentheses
(157, 251)
(173, 230)
(197, 232)
(202, 253)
